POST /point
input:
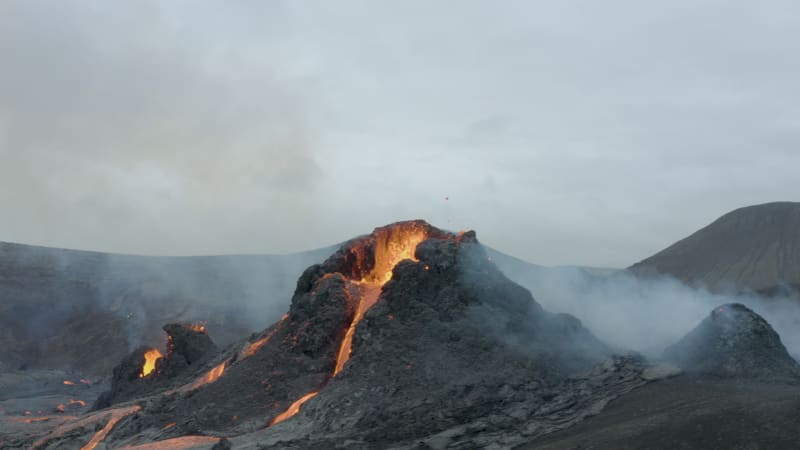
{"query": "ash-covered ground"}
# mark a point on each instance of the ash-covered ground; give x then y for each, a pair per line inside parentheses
(409, 337)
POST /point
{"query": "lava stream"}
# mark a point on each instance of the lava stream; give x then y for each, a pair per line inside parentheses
(391, 245)
(116, 416)
(113, 416)
(209, 377)
(179, 443)
(253, 347)
(369, 293)
(293, 409)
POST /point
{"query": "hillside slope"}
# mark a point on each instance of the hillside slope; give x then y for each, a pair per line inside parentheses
(755, 247)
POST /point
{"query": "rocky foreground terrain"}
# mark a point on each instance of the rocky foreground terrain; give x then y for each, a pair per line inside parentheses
(410, 337)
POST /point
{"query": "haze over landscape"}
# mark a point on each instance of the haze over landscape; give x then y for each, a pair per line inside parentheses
(399, 225)
(606, 131)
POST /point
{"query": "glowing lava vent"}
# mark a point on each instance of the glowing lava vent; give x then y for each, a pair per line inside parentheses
(150, 358)
(369, 263)
(391, 245)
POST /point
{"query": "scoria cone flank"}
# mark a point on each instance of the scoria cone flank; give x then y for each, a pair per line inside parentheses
(408, 337)
(756, 248)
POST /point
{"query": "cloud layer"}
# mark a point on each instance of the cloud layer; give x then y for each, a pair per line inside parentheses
(585, 133)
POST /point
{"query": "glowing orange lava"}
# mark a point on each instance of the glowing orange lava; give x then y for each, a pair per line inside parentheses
(392, 245)
(251, 348)
(200, 327)
(214, 374)
(116, 416)
(69, 383)
(179, 443)
(293, 409)
(150, 358)
(93, 420)
(368, 296)
(209, 377)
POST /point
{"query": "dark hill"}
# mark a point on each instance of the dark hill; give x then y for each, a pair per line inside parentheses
(754, 248)
(739, 391)
(55, 304)
(409, 337)
(733, 341)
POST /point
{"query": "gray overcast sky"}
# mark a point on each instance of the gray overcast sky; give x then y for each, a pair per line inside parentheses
(564, 132)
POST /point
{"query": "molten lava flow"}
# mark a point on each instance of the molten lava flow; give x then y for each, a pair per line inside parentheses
(251, 348)
(180, 443)
(214, 374)
(293, 409)
(392, 245)
(116, 416)
(150, 358)
(368, 296)
(92, 421)
(69, 383)
(77, 402)
(209, 377)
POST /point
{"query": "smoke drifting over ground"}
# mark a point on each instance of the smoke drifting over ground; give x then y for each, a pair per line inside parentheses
(57, 303)
(646, 315)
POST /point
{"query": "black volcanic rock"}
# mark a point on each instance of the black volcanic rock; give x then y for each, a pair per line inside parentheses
(451, 354)
(734, 341)
(188, 350)
(756, 247)
(187, 346)
(455, 354)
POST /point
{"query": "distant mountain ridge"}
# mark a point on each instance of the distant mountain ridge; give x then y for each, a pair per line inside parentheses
(752, 248)
(76, 309)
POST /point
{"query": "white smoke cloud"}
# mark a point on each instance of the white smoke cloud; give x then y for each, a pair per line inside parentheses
(647, 315)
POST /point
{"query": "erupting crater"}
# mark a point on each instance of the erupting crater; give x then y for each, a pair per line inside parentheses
(396, 336)
(391, 245)
(368, 265)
